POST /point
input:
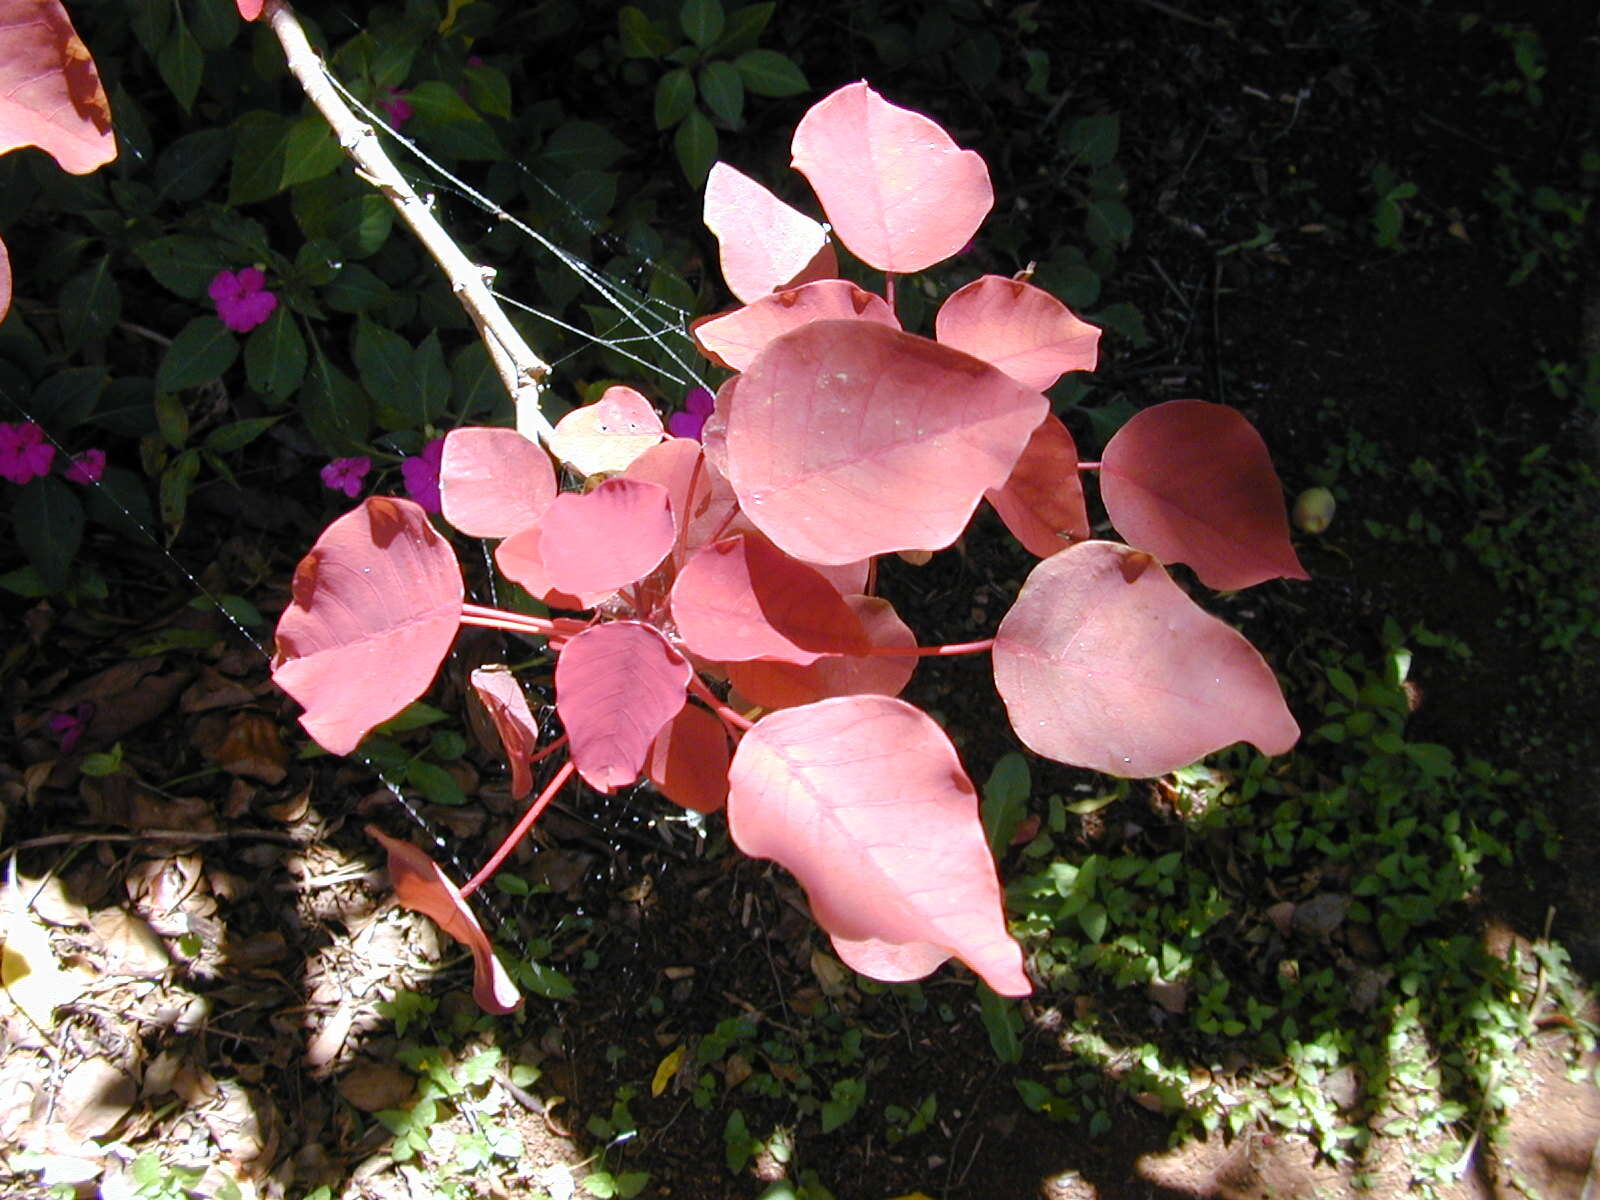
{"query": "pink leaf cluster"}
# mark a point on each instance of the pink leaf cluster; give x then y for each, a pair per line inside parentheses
(702, 577)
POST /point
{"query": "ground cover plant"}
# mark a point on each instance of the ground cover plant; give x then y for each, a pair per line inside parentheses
(1313, 972)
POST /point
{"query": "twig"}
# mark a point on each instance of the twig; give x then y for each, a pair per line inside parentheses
(1218, 24)
(156, 835)
(520, 369)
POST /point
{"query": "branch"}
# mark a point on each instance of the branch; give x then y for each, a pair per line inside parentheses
(520, 369)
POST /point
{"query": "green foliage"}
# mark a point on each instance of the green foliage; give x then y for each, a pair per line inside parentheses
(1388, 215)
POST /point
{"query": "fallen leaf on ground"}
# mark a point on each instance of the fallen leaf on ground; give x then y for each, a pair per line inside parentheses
(94, 1097)
(28, 966)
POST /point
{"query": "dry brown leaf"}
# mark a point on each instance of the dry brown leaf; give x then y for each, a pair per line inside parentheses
(253, 747)
(373, 1086)
(94, 1097)
(29, 971)
(214, 690)
(130, 946)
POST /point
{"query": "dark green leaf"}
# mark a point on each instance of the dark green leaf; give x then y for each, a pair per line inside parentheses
(384, 359)
(121, 502)
(674, 97)
(150, 20)
(544, 980)
(489, 90)
(201, 352)
(216, 23)
(190, 166)
(435, 783)
(1125, 320)
(236, 435)
(743, 28)
(1002, 1022)
(474, 383)
(446, 121)
(184, 265)
(355, 289)
(49, 524)
(260, 141)
(275, 355)
(91, 304)
(768, 73)
(702, 21)
(641, 37)
(1093, 140)
(310, 152)
(172, 418)
(68, 398)
(1108, 223)
(176, 483)
(696, 146)
(1005, 801)
(430, 379)
(181, 64)
(334, 409)
(578, 144)
(722, 88)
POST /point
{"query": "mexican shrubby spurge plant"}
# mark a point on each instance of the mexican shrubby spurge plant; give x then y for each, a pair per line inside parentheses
(731, 649)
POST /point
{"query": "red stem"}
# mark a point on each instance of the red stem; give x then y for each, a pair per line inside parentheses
(728, 715)
(548, 750)
(557, 781)
(947, 651)
(499, 618)
(888, 290)
(1083, 466)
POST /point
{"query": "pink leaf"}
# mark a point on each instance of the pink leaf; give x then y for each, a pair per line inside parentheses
(250, 9)
(863, 799)
(763, 242)
(784, 684)
(617, 687)
(702, 502)
(847, 439)
(507, 706)
(742, 598)
(1105, 663)
(50, 92)
(689, 760)
(422, 887)
(1042, 503)
(5, 281)
(735, 339)
(494, 482)
(900, 194)
(520, 560)
(1023, 330)
(376, 604)
(608, 434)
(603, 540)
(1192, 482)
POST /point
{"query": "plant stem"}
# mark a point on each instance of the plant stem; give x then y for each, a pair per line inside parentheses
(728, 715)
(947, 651)
(496, 618)
(1083, 466)
(557, 782)
(520, 369)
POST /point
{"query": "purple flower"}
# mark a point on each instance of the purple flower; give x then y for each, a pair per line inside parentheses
(421, 475)
(23, 452)
(697, 406)
(396, 107)
(345, 474)
(242, 299)
(87, 467)
(69, 726)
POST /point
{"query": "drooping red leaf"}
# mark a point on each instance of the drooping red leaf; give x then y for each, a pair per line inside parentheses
(507, 705)
(520, 560)
(250, 9)
(376, 604)
(494, 482)
(764, 244)
(784, 685)
(702, 502)
(736, 338)
(1104, 662)
(50, 92)
(900, 194)
(742, 598)
(5, 281)
(607, 435)
(603, 540)
(689, 760)
(1023, 330)
(421, 886)
(1042, 503)
(847, 439)
(617, 687)
(863, 799)
(1192, 482)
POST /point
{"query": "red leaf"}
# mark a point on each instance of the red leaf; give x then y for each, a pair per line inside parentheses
(521, 561)
(742, 598)
(376, 604)
(422, 887)
(678, 465)
(735, 339)
(763, 242)
(863, 799)
(1023, 330)
(1042, 503)
(617, 687)
(608, 434)
(50, 92)
(250, 9)
(5, 281)
(1105, 663)
(603, 540)
(1192, 482)
(507, 706)
(847, 439)
(900, 194)
(494, 482)
(784, 684)
(689, 760)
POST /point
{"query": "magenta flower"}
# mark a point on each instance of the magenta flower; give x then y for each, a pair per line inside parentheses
(396, 107)
(243, 301)
(345, 474)
(24, 453)
(87, 467)
(697, 407)
(421, 475)
(69, 726)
